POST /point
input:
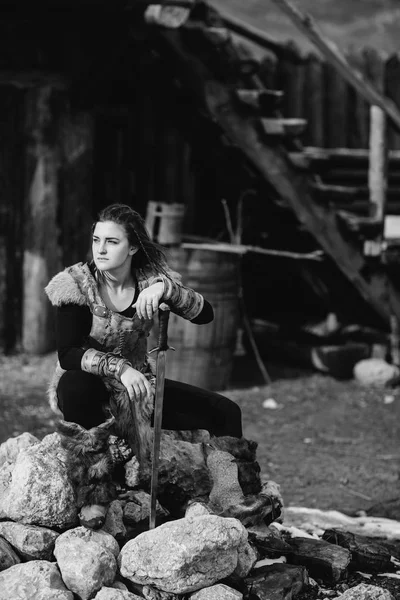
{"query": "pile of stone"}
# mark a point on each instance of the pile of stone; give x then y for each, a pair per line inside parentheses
(225, 546)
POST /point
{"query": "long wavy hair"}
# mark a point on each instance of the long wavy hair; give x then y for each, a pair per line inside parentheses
(149, 255)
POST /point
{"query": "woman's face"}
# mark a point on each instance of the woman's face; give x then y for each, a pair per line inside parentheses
(110, 246)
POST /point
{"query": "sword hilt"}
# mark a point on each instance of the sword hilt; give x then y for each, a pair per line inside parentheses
(163, 317)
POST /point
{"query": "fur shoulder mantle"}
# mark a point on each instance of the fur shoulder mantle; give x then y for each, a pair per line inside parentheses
(70, 286)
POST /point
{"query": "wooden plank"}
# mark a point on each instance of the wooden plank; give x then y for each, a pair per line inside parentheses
(41, 251)
(307, 25)
(346, 155)
(392, 88)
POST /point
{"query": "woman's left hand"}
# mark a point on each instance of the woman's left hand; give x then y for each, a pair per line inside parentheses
(149, 300)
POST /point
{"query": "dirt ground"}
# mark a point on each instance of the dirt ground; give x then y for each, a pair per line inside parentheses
(329, 444)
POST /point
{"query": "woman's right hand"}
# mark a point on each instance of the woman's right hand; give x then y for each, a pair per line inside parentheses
(136, 384)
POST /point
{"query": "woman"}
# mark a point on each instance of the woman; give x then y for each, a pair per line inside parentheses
(105, 311)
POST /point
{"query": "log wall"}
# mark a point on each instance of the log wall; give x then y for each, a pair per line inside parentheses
(337, 116)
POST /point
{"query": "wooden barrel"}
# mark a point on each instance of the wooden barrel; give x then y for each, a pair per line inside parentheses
(164, 222)
(204, 353)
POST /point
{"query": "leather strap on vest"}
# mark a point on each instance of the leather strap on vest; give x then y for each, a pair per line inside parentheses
(104, 364)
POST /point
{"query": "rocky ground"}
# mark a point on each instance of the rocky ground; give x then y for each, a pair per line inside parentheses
(329, 444)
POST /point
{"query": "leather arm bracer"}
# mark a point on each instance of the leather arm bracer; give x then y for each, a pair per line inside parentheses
(182, 300)
(104, 364)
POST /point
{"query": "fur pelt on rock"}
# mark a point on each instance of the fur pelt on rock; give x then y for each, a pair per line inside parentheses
(90, 462)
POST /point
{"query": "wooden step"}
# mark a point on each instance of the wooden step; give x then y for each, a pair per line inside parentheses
(342, 192)
(283, 127)
(345, 156)
(367, 227)
(299, 160)
(361, 207)
(262, 102)
(358, 176)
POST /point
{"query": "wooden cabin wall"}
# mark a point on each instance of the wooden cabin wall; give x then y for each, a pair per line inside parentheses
(337, 115)
(60, 166)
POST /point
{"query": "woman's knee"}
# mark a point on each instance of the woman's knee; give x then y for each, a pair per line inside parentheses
(81, 397)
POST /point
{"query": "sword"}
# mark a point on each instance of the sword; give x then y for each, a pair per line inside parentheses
(163, 316)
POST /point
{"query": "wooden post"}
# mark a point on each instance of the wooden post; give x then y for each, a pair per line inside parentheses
(378, 155)
(42, 252)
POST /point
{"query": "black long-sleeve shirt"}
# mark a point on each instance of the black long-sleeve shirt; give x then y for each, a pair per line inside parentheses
(73, 325)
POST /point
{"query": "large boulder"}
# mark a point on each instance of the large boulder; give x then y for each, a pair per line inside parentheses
(364, 591)
(37, 579)
(184, 555)
(86, 565)
(40, 492)
(101, 537)
(9, 451)
(30, 541)
(8, 557)
(217, 592)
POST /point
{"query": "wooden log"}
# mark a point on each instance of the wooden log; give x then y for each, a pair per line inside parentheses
(12, 162)
(268, 70)
(315, 104)
(323, 560)
(337, 110)
(268, 541)
(276, 582)
(293, 84)
(316, 521)
(366, 556)
(75, 177)
(392, 89)
(358, 107)
(41, 252)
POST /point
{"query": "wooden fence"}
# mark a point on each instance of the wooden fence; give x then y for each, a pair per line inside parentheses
(337, 116)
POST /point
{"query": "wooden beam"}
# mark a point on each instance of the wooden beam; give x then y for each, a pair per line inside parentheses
(307, 25)
(258, 37)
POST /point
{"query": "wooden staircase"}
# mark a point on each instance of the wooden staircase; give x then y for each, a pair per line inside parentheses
(326, 190)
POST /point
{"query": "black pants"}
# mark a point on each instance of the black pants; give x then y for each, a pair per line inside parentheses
(81, 396)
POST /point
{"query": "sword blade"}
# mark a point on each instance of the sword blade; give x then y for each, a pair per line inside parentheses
(158, 410)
